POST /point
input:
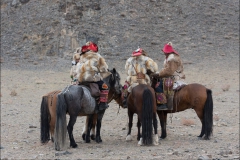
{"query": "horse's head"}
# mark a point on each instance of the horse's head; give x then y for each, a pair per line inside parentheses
(114, 81)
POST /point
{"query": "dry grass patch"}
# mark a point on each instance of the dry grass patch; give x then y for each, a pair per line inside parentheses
(225, 87)
(13, 93)
(187, 122)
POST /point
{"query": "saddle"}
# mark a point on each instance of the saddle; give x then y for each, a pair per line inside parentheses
(92, 87)
(169, 89)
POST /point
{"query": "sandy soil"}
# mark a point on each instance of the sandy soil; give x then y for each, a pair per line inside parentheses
(22, 89)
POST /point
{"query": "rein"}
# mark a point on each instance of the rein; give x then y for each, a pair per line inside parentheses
(111, 98)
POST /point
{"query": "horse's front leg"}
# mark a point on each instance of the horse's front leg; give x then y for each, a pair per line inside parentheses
(130, 122)
(92, 132)
(85, 128)
(163, 122)
(71, 123)
(155, 141)
(99, 124)
(89, 127)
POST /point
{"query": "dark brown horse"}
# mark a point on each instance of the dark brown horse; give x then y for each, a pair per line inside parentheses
(142, 101)
(48, 110)
(194, 96)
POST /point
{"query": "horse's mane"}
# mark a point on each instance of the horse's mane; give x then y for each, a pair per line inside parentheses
(114, 75)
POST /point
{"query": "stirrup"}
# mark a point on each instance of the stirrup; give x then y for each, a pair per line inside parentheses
(162, 107)
(103, 106)
(125, 103)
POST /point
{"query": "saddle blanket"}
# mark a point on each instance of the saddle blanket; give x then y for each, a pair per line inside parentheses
(178, 84)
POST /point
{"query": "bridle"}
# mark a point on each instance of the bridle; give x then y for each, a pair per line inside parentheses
(114, 94)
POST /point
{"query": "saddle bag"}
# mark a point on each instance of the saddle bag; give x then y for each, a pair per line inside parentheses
(168, 86)
(94, 89)
(161, 98)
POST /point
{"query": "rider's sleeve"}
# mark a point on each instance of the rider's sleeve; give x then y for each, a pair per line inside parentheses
(103, 67)
(151, 65)
(169, 69)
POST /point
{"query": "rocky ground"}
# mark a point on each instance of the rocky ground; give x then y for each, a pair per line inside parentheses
(22, 86)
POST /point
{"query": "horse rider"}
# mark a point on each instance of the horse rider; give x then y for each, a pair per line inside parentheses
(137, 67)
(173, 66)
(73, 72)
(93, 68)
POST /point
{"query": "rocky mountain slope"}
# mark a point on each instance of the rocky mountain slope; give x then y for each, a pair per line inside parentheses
(37, 31)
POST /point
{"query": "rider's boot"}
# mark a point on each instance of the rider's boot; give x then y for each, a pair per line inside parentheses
(125, 94)
(124, 102)
(103, 100)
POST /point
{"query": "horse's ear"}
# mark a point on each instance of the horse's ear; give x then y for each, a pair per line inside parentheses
(114, 70)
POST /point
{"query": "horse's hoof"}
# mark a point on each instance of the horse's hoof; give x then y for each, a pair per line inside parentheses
(83, 136)
(93, 137)
(129, 138)
(98, 139)
(140, 143)
(87, 141)
(74, 145)
(199, 138)
(206, 138)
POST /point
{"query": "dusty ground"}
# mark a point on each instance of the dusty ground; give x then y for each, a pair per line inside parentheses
(22, 88)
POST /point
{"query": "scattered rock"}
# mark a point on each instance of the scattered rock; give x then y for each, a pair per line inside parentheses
(31, 126)
(204, 157)
(60, 153)
(225, 87)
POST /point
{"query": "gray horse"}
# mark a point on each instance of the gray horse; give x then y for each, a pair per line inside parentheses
(77, 100)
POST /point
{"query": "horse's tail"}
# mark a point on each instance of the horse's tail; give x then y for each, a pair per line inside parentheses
(208, 115)
(61, 125)
(147, 117)
(45, 119)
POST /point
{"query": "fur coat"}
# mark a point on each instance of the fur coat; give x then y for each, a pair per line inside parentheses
(139, 64)
(91, 67)
(73, 72)
(173, 67)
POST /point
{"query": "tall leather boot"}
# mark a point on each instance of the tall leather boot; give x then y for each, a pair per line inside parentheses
(124, 102)
(125, 94)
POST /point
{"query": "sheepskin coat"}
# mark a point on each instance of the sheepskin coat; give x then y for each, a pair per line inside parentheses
(138, 64)
(73, 72)
(173, 67)
(91, 67)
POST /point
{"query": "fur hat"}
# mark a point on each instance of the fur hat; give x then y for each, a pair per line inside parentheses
(168, 48)
(76, 56)
(78, 50)
(90, 46)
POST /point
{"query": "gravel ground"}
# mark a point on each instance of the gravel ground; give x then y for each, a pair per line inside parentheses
(22, 86)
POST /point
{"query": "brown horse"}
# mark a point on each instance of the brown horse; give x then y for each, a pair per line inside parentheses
(48, 110)
(142, 101)
(194, 96)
